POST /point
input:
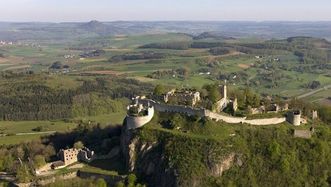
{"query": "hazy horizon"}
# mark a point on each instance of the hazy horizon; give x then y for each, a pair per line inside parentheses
(157, 10)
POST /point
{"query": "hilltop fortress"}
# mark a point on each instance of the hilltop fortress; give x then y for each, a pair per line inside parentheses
(147, 107)
(139, 121)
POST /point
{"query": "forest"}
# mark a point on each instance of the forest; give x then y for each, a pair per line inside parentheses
(30, 100)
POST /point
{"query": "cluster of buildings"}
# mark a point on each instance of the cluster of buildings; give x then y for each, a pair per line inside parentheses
(273, 59)
(69, 56)
(3, 43)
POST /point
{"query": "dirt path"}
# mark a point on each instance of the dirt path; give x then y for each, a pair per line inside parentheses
(30, 133)
(76, 166)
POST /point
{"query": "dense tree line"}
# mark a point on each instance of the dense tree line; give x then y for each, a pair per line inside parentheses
(219, 51)
(34, 102)
(137, 56)
(169, 45)
(180, 72)
(212, 35)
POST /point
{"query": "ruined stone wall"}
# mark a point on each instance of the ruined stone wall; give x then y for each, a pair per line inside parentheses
(173, 108)
(227, 119)
(199, 112)
(266, 121)
(179, 109)
(221, 105)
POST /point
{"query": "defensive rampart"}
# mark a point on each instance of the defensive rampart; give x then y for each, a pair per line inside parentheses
(266, 121)
(133, 122)
(207, 113)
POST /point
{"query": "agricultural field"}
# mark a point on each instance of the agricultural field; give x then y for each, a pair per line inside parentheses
(281, 78)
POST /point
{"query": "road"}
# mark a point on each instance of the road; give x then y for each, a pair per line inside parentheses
(35, 133)
(314, 92)
(30, 133)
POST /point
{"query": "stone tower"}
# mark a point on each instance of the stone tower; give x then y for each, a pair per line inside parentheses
(224, 91)
(235, 104)
(294, 118)
(314, 114)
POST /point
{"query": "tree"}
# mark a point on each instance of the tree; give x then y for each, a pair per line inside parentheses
(19, 152)
(101, 183)
(159, 90)
(120, 184)
(274, 150)
(186, 72)
(23, 174)
(56, 65)
(213, 92)
(39, 161)
(79, 145)
(132, 180)
(285, 165)
(9, 163)
(313, 84)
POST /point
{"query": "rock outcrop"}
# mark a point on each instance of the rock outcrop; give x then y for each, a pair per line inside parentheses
(146, 160)
(149, 161)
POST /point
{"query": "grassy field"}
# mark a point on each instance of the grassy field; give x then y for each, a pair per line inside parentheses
(22, 127)
(106, 119)
(11, 140)
(13, 127)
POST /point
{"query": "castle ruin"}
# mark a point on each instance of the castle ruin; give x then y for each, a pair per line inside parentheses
(184, 97)
(138, 115)
(142, 111)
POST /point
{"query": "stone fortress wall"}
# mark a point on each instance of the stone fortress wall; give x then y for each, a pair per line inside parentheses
(133, 122)
(136, 122)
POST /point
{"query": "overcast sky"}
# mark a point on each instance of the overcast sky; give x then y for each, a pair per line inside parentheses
(214, 10)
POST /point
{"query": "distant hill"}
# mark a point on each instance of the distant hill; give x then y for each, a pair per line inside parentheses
(100, 28)
(316, 42)
(68, 31)
(212, 35)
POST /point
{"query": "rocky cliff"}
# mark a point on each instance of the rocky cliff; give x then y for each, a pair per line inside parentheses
(163, 159)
